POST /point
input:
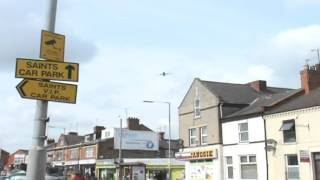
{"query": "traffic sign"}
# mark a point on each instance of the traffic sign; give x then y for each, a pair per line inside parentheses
(49, 91)
(52, 46)
(39, 69)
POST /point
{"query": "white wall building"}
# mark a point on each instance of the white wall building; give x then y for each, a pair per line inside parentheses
(244, 149)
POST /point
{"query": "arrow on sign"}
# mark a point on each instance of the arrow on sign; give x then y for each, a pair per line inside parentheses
(49, 91)
(70, 68)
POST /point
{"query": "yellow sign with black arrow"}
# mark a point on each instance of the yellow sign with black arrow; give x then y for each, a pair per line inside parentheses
(39, 69)
(52, 46)
(49, 91)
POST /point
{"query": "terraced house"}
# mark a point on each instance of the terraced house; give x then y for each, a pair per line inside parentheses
(201, 114)
(293, 132)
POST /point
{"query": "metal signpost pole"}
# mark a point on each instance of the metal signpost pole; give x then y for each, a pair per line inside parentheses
(120, 151)
(37, 154)
(169, 149)
(169, 140)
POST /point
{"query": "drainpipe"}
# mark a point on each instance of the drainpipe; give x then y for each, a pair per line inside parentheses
(221, 141)
(265, 144)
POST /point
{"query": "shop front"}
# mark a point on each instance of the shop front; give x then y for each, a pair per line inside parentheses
(155, 169)
(202, 163)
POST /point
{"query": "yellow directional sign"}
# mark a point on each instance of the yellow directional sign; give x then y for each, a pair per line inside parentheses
(39, 69)
(49, 91)
(52, 46)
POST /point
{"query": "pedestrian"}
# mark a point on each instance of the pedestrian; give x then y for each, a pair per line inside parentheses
(77, 176)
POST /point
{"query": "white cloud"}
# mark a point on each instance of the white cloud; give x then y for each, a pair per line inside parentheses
(286, 53)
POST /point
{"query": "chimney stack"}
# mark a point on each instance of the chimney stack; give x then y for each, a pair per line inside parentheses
(97, 130)
(133, 123)
(310, 77)
(258, 85)
(73, 133)
(50, 141)
(161, 135)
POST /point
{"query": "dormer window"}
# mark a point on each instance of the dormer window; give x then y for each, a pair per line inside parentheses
(197, 112)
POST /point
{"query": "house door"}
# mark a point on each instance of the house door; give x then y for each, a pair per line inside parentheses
(316, 159)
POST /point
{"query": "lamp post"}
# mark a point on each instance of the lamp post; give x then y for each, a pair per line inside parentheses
(169, 118)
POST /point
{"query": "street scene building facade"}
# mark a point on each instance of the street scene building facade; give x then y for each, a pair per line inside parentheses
(227, 131)
(293, 132)
(251, 131)
(202, 113)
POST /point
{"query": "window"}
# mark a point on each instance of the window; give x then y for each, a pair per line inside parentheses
(292, 167)
(204, 135)
(18, 159)
(289, 131)
(74, 153)
(248, 167)
(107, 134)
(197, 108)
(243, 132)
(89, 152)
(59, 156)
(229, 167)
(192, 136)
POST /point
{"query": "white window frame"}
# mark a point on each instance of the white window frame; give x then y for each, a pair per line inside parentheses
(60, 155)
(90, 152)
(291, 166)
(74, 154)
(228, 165)
(191, 137)
(248, 162)
(289, 130)
(197, 108)
(202, 135)
(243, 132)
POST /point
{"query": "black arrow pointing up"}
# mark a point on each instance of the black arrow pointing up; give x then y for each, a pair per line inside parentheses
(70, 68)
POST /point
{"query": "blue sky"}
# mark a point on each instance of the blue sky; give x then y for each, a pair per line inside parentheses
(123, 46)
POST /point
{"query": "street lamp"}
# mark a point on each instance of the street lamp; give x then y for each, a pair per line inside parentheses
(169, 114)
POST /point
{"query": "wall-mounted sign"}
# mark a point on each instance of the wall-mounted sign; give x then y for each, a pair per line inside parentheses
(136, 140)
(52, 46)
(304, 156)
(39, 69)
(197, 154)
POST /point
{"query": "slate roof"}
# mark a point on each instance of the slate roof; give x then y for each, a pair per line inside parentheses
(238, 93)
(262, 102)
(73, 139)
(164, 144)
(301, 102)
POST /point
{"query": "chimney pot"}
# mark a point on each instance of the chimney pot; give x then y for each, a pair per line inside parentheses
(310, 77)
